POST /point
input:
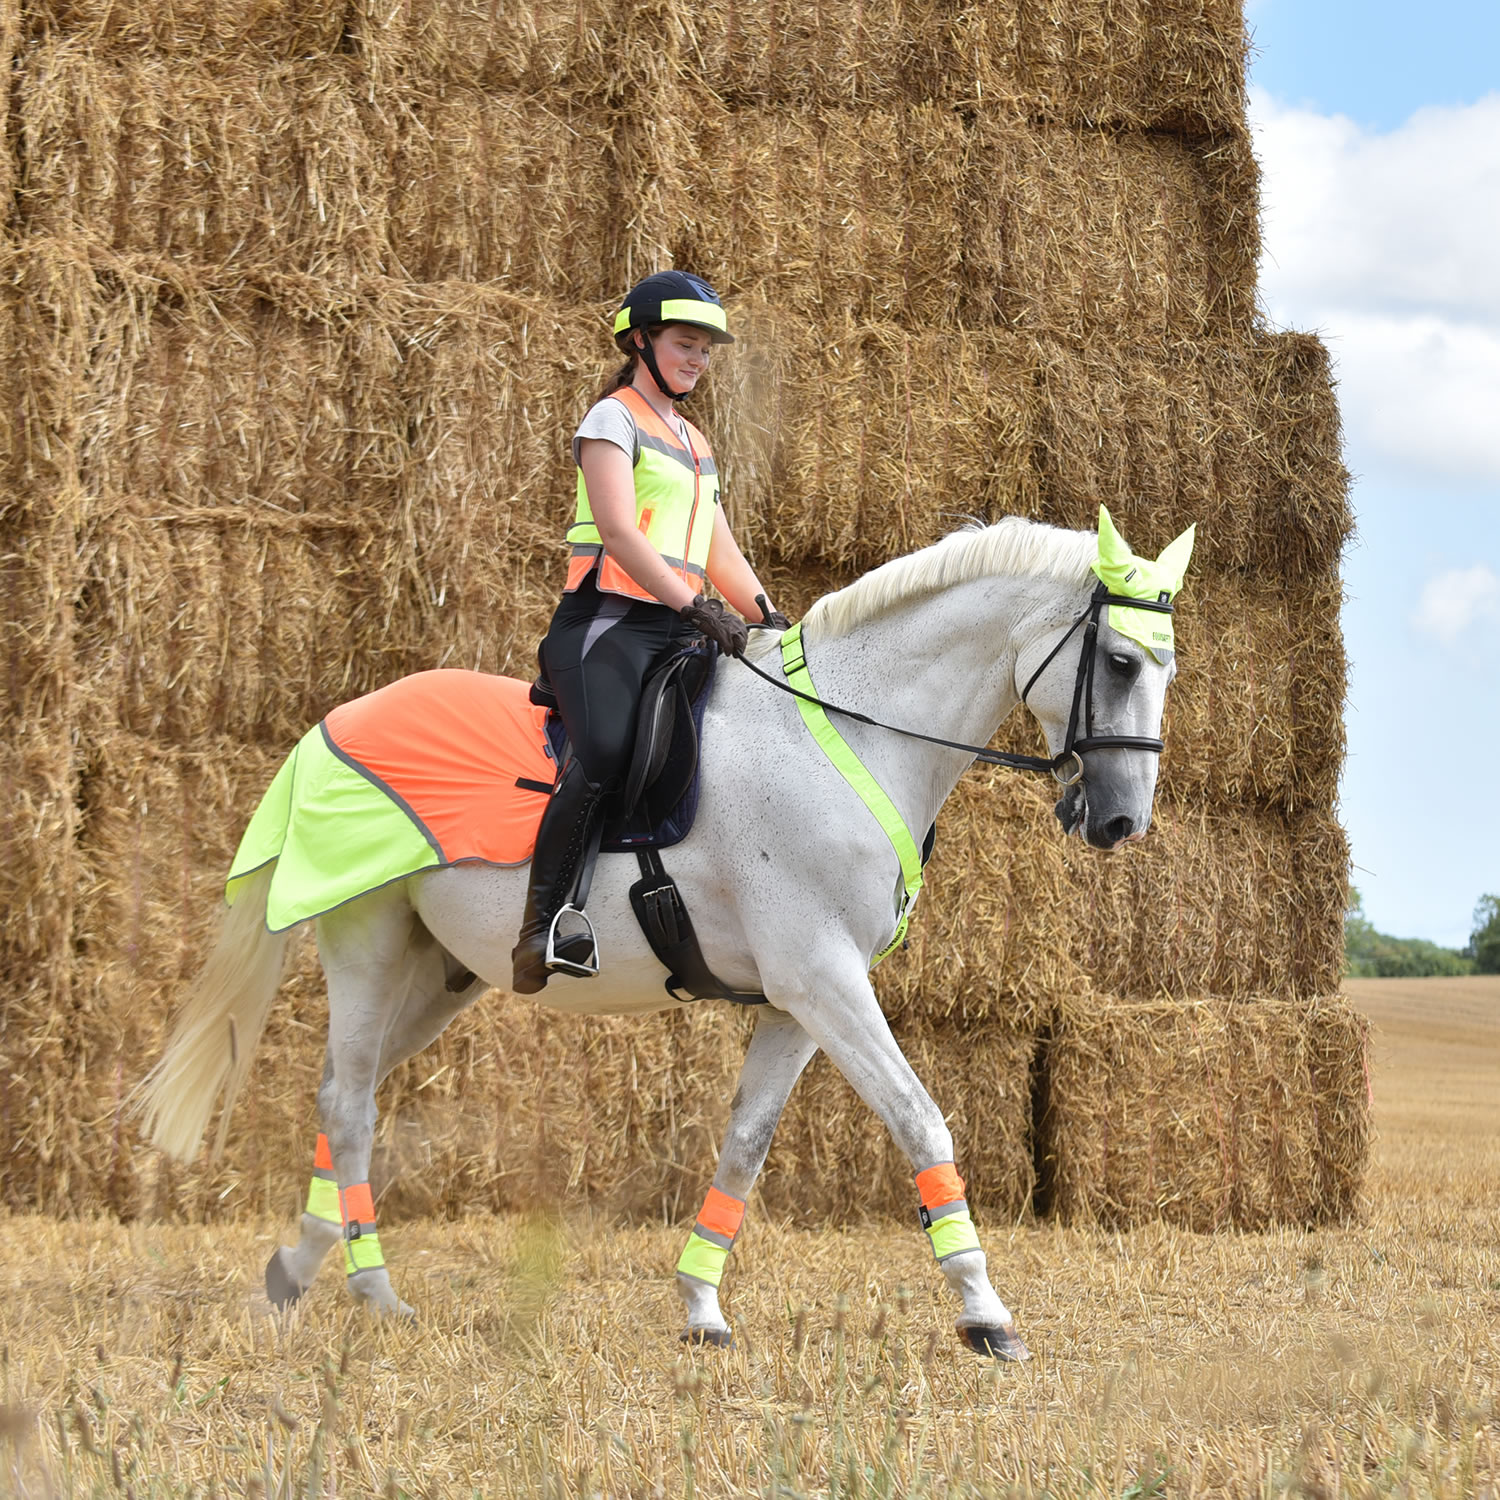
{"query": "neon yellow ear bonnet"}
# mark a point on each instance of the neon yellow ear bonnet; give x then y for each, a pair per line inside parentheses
(1122, 572)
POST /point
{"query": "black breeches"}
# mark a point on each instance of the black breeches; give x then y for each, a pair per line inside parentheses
(597, 653)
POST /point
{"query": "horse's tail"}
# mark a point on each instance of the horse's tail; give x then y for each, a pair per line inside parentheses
(218, 1028)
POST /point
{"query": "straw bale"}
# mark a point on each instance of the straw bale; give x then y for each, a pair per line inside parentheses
(1218, 900)
(1242, 438)
(541, 47)
(1140, 64)
(209, 394)
(517, 1106)
(158, 825)
(38, 783)
(215, 620)
(889, 439)
(33, 1044)
(151, 831)
(1255, 714)
(989, 942)
(1302, 487)
(868, 440)
(1209, 1113)
(10, 42)
(277, 28)
(512, 189)
(835, 214)
(48, 290)
(1073, 231)
(236, 161)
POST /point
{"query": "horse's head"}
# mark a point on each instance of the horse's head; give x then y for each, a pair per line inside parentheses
(1097, 684)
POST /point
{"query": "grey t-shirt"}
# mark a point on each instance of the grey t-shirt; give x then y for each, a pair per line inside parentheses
(609, 419)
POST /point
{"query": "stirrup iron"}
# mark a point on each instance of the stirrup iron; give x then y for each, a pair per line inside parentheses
(555, 961)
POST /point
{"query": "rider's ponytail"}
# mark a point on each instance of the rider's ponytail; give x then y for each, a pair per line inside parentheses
(625, 375)
(621, 378)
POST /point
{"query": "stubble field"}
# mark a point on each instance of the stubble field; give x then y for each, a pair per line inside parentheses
(143, 1360)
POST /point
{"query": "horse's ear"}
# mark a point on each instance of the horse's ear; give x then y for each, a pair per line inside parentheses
(1173, 561)
(1114, 551)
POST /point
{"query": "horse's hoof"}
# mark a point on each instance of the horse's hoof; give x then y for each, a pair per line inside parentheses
(280, 1287)
(1000, 1342)
(714, 1338)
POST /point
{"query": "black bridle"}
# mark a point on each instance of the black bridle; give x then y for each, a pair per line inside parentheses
(1074, 746)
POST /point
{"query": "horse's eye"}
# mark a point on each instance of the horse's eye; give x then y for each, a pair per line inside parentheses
(1126, 666)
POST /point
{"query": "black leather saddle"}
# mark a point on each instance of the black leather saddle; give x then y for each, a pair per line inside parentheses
(656, 806)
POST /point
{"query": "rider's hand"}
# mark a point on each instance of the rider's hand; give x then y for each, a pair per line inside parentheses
(722, 626)
(772, 617)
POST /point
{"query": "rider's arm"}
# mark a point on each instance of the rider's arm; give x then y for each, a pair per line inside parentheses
(730, 573)
(610, 480)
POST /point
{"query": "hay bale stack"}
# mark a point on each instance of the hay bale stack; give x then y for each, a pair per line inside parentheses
(308, 306)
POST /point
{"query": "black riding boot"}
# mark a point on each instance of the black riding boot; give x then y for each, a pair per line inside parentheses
(564, 842)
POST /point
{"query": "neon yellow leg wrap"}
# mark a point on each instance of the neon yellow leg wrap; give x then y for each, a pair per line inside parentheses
(361, 1243)
(952, 1234)
(323, 1193)
(703, 1260)
(362, 1254)
(323, 1199)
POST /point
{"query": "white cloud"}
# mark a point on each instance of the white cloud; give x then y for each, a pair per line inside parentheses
(1455, 601)
(1386, 244)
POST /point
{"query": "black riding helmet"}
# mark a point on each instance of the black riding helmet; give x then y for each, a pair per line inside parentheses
(669, 297)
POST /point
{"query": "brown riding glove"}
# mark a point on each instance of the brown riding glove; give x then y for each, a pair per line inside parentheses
(722, 626)
(772, 617)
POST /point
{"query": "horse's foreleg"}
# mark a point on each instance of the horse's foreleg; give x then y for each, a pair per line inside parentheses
(838, 1009)
(779, 1050)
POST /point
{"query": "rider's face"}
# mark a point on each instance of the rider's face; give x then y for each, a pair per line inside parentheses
(682, 354)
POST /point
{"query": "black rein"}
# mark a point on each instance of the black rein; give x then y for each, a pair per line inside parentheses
(1083, 698)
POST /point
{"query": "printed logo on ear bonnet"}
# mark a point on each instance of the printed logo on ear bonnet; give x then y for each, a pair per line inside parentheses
(1122, 572)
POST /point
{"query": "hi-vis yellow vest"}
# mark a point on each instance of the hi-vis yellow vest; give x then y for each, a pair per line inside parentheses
(676, 495)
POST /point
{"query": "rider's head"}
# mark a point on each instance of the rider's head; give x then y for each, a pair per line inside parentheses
(670, 322)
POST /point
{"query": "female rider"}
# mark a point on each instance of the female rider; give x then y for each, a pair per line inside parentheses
(649, 526)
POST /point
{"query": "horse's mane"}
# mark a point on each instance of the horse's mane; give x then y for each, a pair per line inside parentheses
(1012, 547)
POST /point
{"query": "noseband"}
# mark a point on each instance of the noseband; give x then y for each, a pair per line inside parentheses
(1074, 745)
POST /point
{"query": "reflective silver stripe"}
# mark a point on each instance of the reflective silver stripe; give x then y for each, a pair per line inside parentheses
(586, 549)
(596, 549)
(958, 1206)
(723, 1241)
(678, 454)
(324, 1175)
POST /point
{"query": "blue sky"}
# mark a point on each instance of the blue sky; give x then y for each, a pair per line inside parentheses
(1378, 131)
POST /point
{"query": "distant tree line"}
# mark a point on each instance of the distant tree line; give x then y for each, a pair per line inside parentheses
(1375, 955)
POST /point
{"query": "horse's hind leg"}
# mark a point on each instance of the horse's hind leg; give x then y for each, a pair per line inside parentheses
(779, 1050)
(291, 1270)
(435, 990)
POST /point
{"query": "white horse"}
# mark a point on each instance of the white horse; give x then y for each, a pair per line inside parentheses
(792, 883)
